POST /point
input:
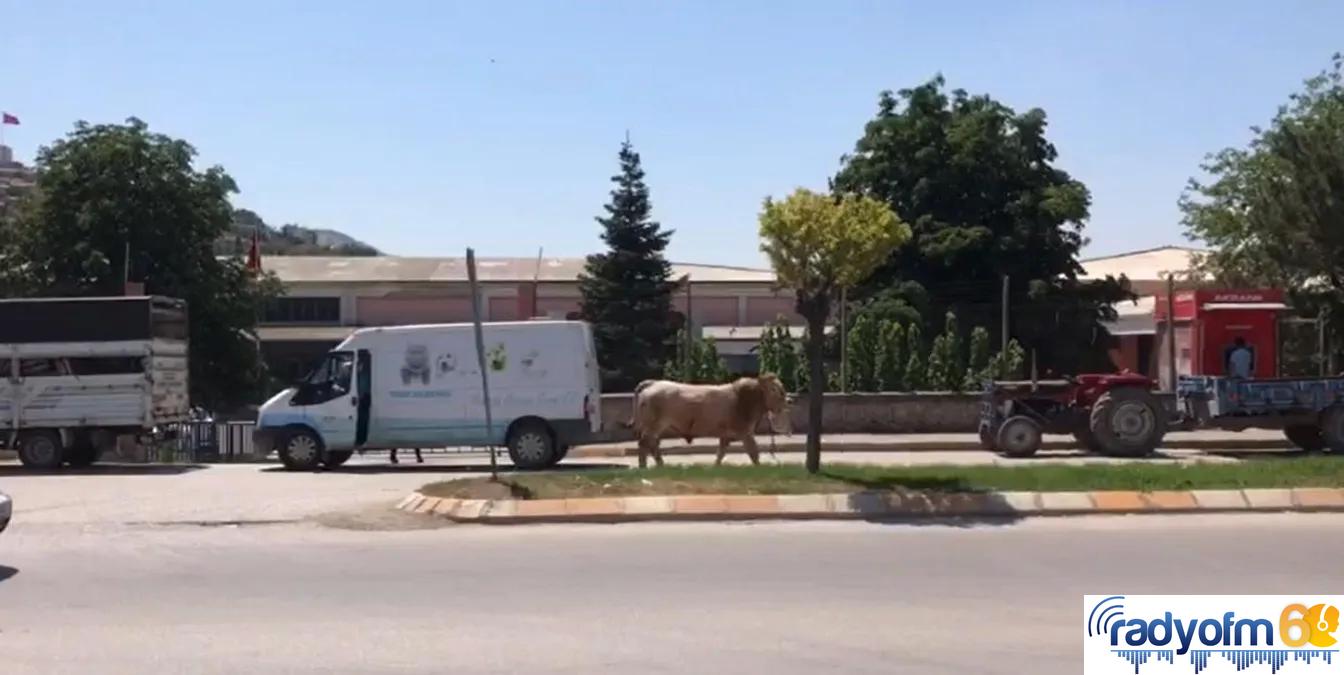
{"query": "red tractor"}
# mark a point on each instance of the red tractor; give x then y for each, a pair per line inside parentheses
(1119, 415)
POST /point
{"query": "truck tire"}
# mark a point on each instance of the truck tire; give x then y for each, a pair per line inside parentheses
(337, 458)
(1332, 429)
(532, 446)
(1305, 436)
(300, 450)
(1128, 422)
(41, 449)
(82, 453)
(1018, 436)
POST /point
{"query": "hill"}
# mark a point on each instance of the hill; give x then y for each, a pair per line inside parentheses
(287, 239)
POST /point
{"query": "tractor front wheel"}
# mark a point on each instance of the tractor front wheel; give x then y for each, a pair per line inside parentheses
(1128, 422)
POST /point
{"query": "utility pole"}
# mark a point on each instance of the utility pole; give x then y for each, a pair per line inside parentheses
(480, 359)
(1003, 339)
(1171, 331)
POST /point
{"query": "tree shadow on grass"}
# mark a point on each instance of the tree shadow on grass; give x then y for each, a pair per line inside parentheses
(925, 501)
(442, 468)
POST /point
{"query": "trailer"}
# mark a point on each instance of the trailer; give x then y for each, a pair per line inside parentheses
(78, 374)
(1309, 410)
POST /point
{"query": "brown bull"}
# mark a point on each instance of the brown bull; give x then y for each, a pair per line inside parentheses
(728, 412)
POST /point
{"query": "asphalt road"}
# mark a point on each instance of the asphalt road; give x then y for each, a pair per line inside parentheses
(654, 598)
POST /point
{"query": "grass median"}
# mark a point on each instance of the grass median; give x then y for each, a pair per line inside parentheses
(1306, 471)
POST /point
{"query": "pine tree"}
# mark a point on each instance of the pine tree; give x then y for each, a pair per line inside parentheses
(710, 367)
(788, 355)
(914, 368)
(891, 356)
(935, 377)
(862, 345)
(978, 364)
(951, 372)
(627, 295)
(768, 350)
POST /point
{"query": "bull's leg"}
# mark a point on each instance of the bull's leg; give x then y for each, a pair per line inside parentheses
(657, 450)
(418, 458)
(749, 444)
(643, 451)
(394, 456)
(723, 449)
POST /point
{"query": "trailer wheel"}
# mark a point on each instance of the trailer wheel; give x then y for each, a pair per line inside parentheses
(301, 450)
(1128, 422)
(1018, 436)
(531, 445)
(1306, 436)
(41, 449)
(1332, 428)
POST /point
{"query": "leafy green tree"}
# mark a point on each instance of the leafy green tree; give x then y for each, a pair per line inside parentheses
(1007, 365)
(862, 358)
(768, 350)
(110, 189)
(710, 368)
(979, 186)
(978, 362)
(802, 372)
(1273, 211)
(627, 295)
(819, 245)
(891, 356)
(946, 371)
(935, 377)
(914, 366)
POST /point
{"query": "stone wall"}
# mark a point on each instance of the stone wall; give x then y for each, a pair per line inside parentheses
(848, 414)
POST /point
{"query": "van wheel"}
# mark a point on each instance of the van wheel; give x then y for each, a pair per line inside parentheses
(531, 446)
(337, 458)
(301, 451)
(41, 450)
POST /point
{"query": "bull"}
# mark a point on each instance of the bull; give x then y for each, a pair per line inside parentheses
(729, 412)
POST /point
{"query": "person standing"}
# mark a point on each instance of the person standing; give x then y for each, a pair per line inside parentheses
(1241, 361)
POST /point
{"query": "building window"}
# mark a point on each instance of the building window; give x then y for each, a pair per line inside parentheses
(304, 310)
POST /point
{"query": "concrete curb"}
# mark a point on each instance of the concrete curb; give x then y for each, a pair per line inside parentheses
(870, 505)
(792, 446)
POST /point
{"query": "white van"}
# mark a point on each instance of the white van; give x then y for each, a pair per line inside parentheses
(420, 387)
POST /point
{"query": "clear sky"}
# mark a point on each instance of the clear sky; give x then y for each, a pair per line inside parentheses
(427, 127)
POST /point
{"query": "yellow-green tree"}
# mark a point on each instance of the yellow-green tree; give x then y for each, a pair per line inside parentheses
(819, 244)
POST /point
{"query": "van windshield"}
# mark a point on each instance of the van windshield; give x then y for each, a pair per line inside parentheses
(334, 372)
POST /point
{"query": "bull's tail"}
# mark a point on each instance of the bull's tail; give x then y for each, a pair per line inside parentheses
(634, 403)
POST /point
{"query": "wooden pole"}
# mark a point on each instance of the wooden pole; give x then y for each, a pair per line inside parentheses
(1171, 331)
(536, 283)
(1320, 342)
(480, 360)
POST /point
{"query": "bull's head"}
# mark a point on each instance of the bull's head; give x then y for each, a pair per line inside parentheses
(777, 402)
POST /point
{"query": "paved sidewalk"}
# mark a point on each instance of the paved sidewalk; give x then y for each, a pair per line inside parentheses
(1251, 439)
(871, 505)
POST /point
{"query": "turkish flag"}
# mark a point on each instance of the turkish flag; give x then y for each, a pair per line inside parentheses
(6, 118)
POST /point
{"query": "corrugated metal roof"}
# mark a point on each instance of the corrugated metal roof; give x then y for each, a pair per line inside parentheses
(397, 269)
(1148, 264)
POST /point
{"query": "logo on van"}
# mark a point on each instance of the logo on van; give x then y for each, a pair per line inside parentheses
(416, 366)
(445, 364)
(498, 358)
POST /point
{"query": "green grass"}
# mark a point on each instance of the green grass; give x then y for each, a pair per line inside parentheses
(1312, 471)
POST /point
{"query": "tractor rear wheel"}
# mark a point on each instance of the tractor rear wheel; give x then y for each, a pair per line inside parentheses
(1018, 436)
(1305, 436)
(1128, 422)
(1086, 440)
(1332, 428)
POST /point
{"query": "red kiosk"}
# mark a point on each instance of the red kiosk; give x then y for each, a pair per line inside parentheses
(1208, 324)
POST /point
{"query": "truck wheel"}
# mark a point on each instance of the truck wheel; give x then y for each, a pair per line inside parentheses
(337, 458)
(1018, 436)
(41, 450)
(82, 453)
(1128, 422)
(1306, 436)
(1332, 429)
(301, 450)
(531, 446)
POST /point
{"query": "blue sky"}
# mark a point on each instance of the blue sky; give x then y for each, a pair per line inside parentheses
(427, 127)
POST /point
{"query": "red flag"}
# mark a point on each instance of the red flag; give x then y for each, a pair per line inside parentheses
(254, 254)
(6, 118)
